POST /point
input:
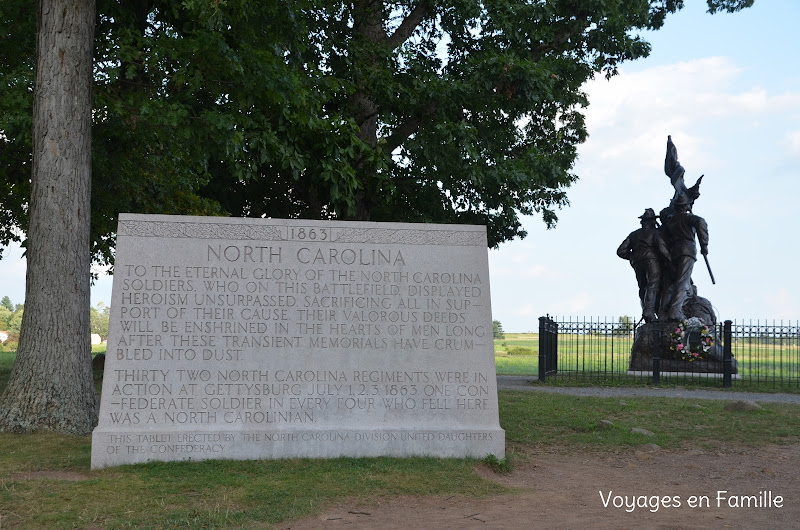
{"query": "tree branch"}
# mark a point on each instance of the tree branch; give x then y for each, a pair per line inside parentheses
(572, 30)
(407, 128)
(407, 27)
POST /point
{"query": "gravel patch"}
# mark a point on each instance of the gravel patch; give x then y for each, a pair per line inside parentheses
(527, 383)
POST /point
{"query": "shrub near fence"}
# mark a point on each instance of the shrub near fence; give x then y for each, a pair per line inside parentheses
(597, 351)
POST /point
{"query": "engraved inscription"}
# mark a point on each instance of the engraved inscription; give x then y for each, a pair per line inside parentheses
(230, 338)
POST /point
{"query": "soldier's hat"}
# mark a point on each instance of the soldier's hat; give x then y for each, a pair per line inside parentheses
(648, 214)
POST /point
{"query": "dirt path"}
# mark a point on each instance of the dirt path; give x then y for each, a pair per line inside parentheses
(564, 491)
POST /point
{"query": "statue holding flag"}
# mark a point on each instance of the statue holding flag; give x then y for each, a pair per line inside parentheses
(663, 257)
(671, 268)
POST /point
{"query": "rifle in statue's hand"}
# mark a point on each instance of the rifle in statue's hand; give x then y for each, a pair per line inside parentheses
(705, 257)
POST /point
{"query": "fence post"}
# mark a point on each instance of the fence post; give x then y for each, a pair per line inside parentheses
(655, 344)
(727, 355)
(554, 346)
(543, 345)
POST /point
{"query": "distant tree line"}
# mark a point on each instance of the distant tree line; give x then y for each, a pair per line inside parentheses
(11, 321)
(98, 319)
(10, 316)
(497, 330)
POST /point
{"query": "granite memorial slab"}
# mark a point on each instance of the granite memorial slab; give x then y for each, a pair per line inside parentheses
(236, 338)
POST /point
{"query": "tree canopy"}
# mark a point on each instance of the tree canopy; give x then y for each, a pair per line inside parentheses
(452, 111)
(6, 302)
(497, 330)
(99, 319)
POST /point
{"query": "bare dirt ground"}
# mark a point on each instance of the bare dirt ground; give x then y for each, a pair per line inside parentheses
(564, 491)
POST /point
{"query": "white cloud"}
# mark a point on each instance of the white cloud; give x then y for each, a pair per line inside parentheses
(736, 129)
(792, 142)
(636, 110)
(521, 257)
(783, 304)
(660, 90)
(534, 271)
(579, 304)
(526, 311)
(521, 263)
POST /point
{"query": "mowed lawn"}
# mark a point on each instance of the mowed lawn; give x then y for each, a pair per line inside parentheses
(763, 365)
(517, 354)
(46, 481)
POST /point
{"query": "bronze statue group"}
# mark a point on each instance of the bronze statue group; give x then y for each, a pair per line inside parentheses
(663, 255)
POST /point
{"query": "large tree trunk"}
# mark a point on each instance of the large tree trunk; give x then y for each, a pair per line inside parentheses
(368, 30)
(51, 385)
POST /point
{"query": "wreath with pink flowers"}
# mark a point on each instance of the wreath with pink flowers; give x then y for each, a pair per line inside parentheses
(688, 350)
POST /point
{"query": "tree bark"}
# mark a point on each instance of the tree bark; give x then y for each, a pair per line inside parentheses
(368, 30)
(51, 385)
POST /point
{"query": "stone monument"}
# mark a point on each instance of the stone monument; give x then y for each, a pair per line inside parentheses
(679, 326)
(236, 338)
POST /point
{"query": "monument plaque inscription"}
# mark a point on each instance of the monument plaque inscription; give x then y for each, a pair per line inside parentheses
(240, 338)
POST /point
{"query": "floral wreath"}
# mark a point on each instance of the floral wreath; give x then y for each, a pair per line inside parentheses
(689, 352)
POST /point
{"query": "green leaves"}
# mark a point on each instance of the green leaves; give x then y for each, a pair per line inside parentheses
(460, 111)
(17, 43)
(489, 131)
(730, 6)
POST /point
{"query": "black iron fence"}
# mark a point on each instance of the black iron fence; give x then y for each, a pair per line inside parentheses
(765, 355)
(548, 347)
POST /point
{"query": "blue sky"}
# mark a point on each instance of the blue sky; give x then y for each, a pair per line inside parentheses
(727, 88)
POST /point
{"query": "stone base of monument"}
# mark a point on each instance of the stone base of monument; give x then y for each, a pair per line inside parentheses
(699, 375)
(170, 445)
(236, 338)
(656, 337)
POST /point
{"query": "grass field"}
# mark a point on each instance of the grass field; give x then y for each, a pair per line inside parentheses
(45, 480)
(603, 359)
(515, 363)
(6, 362)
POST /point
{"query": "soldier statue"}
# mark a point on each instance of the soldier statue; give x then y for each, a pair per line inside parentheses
(681, 227)
(646, 251)
(676, 317)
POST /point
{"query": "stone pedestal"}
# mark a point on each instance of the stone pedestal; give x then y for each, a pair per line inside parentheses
(655, 337)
